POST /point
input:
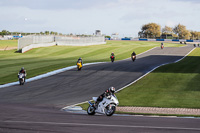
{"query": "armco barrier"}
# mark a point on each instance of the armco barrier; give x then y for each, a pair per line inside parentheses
(151, 39)
(189, 40)
(160, 40)
(126, 39)
(140, 39)
(176, 40)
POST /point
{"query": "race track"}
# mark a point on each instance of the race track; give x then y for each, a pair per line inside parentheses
(36, 105)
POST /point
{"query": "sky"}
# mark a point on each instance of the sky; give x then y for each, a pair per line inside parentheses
(125, 17)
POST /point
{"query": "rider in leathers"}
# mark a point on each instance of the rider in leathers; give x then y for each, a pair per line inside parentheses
(108, 92)
(24, 72)
(80, 61)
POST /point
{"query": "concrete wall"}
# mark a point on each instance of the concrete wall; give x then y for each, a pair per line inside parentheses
(29, 43)
(29, 47)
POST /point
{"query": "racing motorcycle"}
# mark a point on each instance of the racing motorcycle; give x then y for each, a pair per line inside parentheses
(21, 78)
(133, 57)
(79, 65)
(106, 106)
(112, 58)
(162, 46)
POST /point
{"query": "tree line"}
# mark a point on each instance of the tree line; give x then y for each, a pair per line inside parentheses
(5, 32)
(153, 30)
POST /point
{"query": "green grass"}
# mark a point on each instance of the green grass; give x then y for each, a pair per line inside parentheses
(8, 43)
(172, 86)
(84, 106)
(43, 60)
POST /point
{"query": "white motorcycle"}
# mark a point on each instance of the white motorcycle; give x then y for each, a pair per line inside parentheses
(21, 78)
(106, 106)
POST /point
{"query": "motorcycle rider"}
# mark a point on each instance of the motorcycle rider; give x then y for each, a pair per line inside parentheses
(24, 72)
(80, 61)
(133, 54)
(162, 45)
(108, 92)
(112, 54)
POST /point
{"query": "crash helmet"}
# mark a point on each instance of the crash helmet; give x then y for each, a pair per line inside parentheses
(22, 68)
(80, 58)
(112, 89)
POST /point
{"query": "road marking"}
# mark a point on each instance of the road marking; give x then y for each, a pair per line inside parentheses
(47, 74)
(138, 78)
(102, 125)
(153, 70)
(56, 72)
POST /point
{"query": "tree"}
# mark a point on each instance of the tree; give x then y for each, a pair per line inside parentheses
(182, 32)
(52, 33)
(195, 35)
(46, 32)
(167, 30)
(4, 32)
(107, 37)
(151, 30)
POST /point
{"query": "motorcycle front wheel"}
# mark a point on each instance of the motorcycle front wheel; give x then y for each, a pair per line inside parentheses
(110, 110)
(21, 82)
(91, 110)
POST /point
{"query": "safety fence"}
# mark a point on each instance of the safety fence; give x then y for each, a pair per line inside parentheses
(80, 41)
(59, 40)
(28, 40)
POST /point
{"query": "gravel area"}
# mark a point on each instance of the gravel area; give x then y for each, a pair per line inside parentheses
(154, 110)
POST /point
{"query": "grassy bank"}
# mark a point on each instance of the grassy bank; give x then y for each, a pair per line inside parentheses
(8, 43)
(172, 86)
(43, 60)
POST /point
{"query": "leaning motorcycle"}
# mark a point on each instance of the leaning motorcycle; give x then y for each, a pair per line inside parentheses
(79, 65)
(21, 78)
(106, 106)
(112, 58)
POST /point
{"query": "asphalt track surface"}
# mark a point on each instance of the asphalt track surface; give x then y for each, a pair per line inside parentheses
(35, 107)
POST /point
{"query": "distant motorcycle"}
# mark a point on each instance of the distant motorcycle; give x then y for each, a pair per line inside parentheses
(79, 65)
(112, 58)
(162, 46)
(133, 57)
(21, 78)
(106, 106)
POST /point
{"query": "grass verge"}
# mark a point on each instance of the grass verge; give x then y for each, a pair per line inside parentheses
(171, 86)
(42, 60)
(8, 43)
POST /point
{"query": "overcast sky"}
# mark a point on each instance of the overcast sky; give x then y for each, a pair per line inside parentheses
(85, 16)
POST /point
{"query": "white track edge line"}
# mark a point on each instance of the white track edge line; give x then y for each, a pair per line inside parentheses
(56, 72)
(134, 80)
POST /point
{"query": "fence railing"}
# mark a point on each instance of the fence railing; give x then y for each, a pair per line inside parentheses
(60, 40)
